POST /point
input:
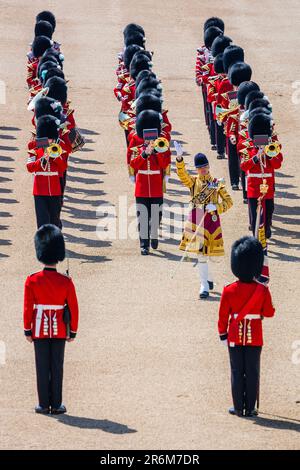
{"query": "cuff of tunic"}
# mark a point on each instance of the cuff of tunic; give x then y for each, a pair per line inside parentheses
(73, 334)
(224, 336)
(27, 332)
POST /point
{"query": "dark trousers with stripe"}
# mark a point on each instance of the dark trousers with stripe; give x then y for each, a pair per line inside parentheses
(47, 210)
(220, 138)
(233, 163)
(149, 214)
(245, 370)
(205, 109)
(49, 362)
(268, 214)
(212, 128)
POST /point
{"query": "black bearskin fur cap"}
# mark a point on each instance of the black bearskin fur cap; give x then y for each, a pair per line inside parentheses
(147, 119)
(219, 45)
(48, 106)
(43, 28)
(232, 54)
(244, 89)
(247, 259)
(148, 101)
(47, 126)
(47, 16)
(260, 124)
(49, 244)
(239, 73)
(129, 53)
(214, 21)
(40, 45)
(218, 64)
(57, 89)
(210, 35)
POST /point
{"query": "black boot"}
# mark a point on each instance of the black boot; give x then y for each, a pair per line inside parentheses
(145, 251)
(59, 411)
(233, 411)
(41, 411)
(251, 413)
(154, 244)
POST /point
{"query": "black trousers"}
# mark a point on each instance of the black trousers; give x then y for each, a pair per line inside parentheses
(233, 163)
(268, 213)
(220, 138)
(149, 215)
(245, 370)
(205, 109)
(49, 362)
(212, 128)
(47, 210)
(244, 187)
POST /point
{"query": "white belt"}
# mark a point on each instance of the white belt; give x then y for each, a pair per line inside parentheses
(250, 316)
(40, 308)
(149, 172)
(46, 173)
(260, 175)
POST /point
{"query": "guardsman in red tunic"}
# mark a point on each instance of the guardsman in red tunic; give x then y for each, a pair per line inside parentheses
(202, 59)
(47, 165)
(242, 140)
(50, 318)
(260, 164)
(148, 164)
(244, 304)
(225, 106)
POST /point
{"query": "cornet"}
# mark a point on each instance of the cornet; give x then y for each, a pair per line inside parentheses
(54, 150)
(161, 145)
(272, 149)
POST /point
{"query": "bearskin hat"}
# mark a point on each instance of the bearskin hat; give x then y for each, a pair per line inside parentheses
(49, 106)
(148, 83)
(44, 66)
(219, 45)
(153, 92)
(260, 103)
(133, 28)
(136, 66)
(200, 160)
(148, 101)
(129, 53)
(142, 52)
(40, 45)
(247, 258)
(53, 72)
(144, 74)
(239, 73)
(135, 38)
(147, 119)
(218, 64)
(51, 54)
(260, 110)
(253, 95)
(47, 126)
(260, 124)
(232, 54)
(210, 35)
(244, 89)
(49, 244)
(214, 21)
(47, 16)
(43, 28)
(57, 89)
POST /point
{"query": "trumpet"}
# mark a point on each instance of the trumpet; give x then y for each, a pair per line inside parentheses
(161, 145)
(221, 116)
(272, 149)
(54, 150)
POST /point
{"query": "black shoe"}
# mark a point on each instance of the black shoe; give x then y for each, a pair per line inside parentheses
(59, 411)
(268, 233)
(233, 411)
(245, 200)
(154, 244)
(41, 411)
(211, 285)
(235, 187)
(220, 156)
(204, 295)
(214, 147)
(145, 251)
(251, 414)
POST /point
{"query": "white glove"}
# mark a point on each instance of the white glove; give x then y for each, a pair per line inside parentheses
(178, 149)
(132, 179)
(232, 139)
(166, 178)
(211, 207)
(224, 342)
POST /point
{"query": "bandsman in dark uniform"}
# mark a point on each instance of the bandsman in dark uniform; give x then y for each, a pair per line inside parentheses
(243, 306)
(50, 318)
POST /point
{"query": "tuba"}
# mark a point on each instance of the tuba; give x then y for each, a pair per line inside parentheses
(272, 149)
(54, 150)
(161, 145)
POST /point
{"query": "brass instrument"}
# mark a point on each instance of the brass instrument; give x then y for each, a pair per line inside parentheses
(161, 145)
(221, 116)
(272, 149)
(54, 150)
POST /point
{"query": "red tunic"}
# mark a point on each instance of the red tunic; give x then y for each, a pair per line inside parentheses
(46, 292)
(248, 331)
(149, 177)
(46, 175)
(256, 173)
